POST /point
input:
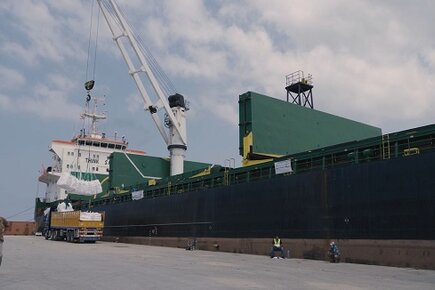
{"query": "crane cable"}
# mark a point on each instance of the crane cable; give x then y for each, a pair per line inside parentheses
(21, 212)
(89, 56)
(89, 40)
(94, 64)
(96, 45)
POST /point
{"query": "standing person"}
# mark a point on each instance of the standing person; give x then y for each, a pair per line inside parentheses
(277, 247)
(334, 253)
(3, 226)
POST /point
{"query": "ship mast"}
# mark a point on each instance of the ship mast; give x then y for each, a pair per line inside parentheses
(93, 115)
(174, 107)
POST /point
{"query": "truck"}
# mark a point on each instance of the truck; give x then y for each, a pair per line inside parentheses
(74, 226)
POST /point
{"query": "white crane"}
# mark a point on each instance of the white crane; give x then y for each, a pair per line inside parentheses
(174, 107)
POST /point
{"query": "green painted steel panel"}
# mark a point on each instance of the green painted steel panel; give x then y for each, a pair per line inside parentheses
(282, 128)
(123, 173)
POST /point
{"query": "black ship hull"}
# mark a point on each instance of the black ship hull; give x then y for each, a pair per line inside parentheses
(383, 199)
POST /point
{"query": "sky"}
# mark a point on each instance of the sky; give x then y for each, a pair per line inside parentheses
(371, 61)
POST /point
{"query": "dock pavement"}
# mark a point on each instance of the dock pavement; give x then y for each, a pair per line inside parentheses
(31, 263)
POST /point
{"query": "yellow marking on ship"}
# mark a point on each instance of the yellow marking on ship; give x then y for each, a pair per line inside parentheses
(206, 171)
(248, 141)
(104, 180)
(247, 162)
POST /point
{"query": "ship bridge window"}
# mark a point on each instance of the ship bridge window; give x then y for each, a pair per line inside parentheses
(96, 168)
(124, 147)
(118, 147)
(104, 145)
(89, 143)
(111, 146)
(96, 144)
(81, 142)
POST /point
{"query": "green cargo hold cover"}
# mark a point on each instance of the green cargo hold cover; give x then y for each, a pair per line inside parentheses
(123, 172)
(282, 128)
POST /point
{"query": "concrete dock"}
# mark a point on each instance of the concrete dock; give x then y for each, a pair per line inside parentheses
(33, 263)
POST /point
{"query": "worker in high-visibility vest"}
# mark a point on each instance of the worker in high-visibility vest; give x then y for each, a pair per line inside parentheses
(277, 247)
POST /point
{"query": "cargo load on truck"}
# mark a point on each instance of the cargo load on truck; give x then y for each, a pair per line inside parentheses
(74, 226)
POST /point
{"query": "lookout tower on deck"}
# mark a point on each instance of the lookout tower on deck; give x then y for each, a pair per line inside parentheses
(299, 88)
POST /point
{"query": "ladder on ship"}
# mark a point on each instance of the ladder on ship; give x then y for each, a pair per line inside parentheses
(386, 153)
(226, 176)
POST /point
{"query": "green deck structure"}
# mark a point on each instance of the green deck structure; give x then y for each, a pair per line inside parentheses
(123, 172)
(272, 127)
(129, 169)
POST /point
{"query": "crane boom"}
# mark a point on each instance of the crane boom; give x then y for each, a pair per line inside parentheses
(175, 139)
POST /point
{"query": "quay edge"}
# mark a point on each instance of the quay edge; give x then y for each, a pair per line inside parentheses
(395, 253)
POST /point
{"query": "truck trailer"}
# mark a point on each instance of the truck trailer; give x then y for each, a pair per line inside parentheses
(74, 226)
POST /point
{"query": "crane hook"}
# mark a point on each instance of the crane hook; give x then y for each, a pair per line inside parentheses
(89, 85)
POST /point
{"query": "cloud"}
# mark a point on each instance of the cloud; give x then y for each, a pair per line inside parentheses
(429, 58)
(223, 109)
(18, 51)
(43, 32)
(134, 103)
(10, 78)
(5, 102)
(46, 41)
(48, 100)
(363, 56)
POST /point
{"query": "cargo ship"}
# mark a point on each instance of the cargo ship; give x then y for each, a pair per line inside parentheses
(374, 188)
(372, 191)
(308, 177)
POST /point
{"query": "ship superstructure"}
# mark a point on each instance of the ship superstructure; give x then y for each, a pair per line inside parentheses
(85, 156)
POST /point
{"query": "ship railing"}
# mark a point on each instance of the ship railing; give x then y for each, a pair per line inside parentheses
(354, 152)
(298, 77)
